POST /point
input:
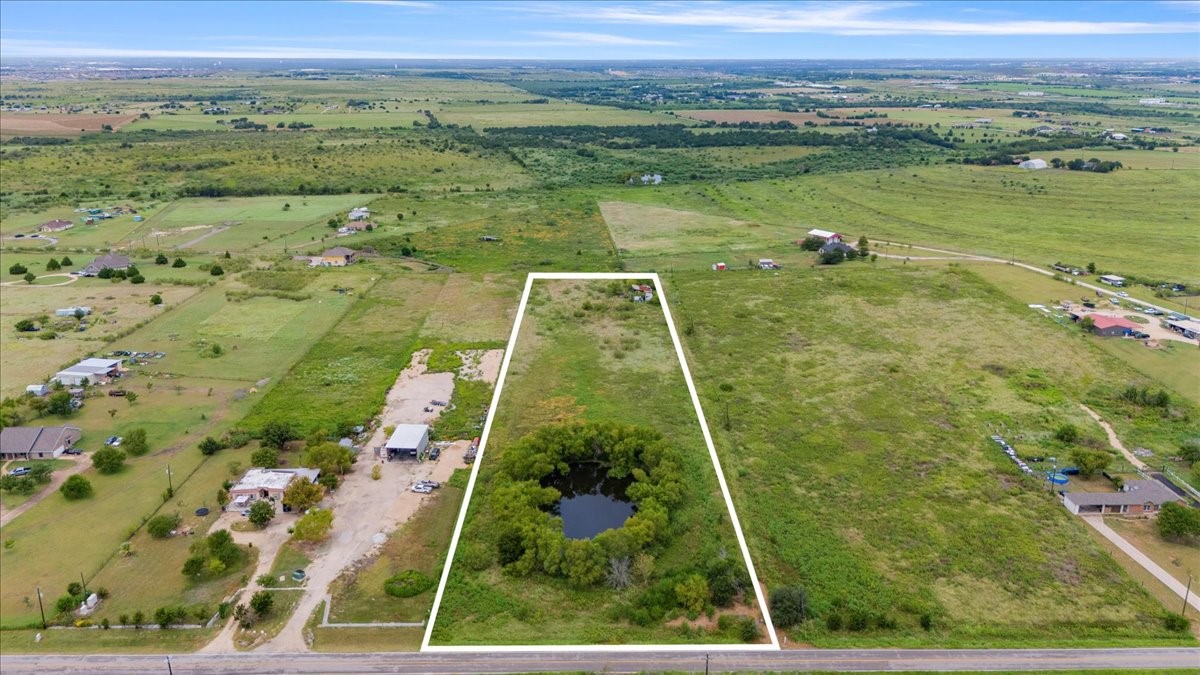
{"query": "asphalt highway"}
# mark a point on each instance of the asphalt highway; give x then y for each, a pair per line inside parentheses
(250, 663)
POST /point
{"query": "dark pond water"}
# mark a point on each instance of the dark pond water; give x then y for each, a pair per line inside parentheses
(591, 501)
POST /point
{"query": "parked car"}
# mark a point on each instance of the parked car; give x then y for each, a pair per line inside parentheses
(1139, 334)
(1123, 294)
(19, 471)
(116, 392)
(73, 451)
(1152, 311)
(430, 483)
(434, 453)
(422, 489)
(113, 441)
(246, 512)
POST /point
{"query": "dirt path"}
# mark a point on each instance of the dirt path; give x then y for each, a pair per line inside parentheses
(71, 278)
(1113, 440)
(56, 480)
(1097, 523)
(215, 231)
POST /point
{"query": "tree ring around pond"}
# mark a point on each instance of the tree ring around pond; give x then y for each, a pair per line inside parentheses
(561, 472)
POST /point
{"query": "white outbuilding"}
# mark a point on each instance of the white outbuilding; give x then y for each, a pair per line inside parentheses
(1033, 164)
(407, 441)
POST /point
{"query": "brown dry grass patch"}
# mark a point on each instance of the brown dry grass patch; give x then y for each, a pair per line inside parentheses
(58, 124)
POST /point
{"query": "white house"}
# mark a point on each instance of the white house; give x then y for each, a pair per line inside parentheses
(1118, 137)
(825, 234)
(360, 213)
(37, 389)
(92, 370)
(72, 311)
(1112, 280)
(269, 484)
(1033, 164)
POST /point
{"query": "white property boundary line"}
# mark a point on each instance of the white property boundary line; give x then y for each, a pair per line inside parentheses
(712, 451)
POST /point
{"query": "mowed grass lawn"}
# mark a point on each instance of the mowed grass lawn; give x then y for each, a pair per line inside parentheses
(420, 544)
(614, 362)
(255, 218)
(860, 403)
(1042, 216)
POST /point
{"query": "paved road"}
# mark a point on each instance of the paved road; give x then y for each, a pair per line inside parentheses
(1097, 522)
(505, 662)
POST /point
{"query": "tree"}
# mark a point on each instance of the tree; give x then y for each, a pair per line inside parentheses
(66, 261)
(29, 277)
(261, 512)
(789, 606)
(161, 259)
(262, 602)
(1067, 433)
(210, 446)
(156, 299)
(135, 442)
(692, 593)
(812, 243)
(313, 526)
(1091, 268)
(104, 273)
(267, 458)
(277, 434)
(76, 487)
(216, 271)
(864, 247)
(301, 495)
(41, 472)
(17, 269)
(1177, 522)
(161, 526)
(330, 458)
(52, 265)
(108, 460)
(131, 397)
(179, 263)
(137, 279)
(1089, 461)
(25, 326)
(1087, 323)
(833, 257)
(59, 404)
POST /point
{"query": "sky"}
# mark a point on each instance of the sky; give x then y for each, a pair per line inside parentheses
(601, 30)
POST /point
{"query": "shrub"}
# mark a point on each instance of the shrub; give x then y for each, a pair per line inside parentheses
(108, 460)
(18, 269)
(161, 259)
(789, 606)
(161, 526)
(262, 602)
(76, 487)
(692, 593)
(179, 263)
(1177, 623)
(313, 526)
(407, 584)
(1067, 433)
(267, 458)
(1177, 522)
(216, 271)
(261, 513)
(156, 299)
(833, 622)
(210, 446)
(135, 442)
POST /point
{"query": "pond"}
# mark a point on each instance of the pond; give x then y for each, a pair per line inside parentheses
(591, 501)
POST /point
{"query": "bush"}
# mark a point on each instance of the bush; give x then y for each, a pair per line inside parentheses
(833, 622)
(262, 602)
(76, 487)
(17, 269)
(178, 263)
(1067, 433)
(161, 526)
(156, 299)
(268, 458)
(1177, 623)
(1177, 522)
(135, 442)
(313, 526)
(216, 271)
(261, 512)
(210, 446)
(407, 584)
(108, 460)
(789, 606)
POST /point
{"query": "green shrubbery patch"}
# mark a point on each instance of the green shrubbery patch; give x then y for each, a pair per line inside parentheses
(407, 584)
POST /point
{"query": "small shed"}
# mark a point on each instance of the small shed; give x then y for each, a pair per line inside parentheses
(1033, 164)
(37, 389)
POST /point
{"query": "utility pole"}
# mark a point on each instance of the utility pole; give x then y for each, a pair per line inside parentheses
(170, 487)
(41, 608)
(84, 583)
(169, 671)
(706, 664)
(1185, 596)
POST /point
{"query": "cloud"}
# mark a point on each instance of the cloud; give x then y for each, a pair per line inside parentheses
(1184, 5)
(601, 39)
(837, 18)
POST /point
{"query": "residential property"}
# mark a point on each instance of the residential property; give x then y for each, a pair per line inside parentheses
(1118, 137)
(110, 261)
(356, 226)
(55, 226)
(95, 371)
(360, 213)
(837, 246)
(825, 234)
(643, 292)
(338, 256)
(1152, 101)
(269, 484)
(407, 441)
(72, 311)
(1033, 164)
(1138, 497)
(1112, 280)
(718, 267)
(645, 179)
(1031, 93)
(1112, 326)
(768, 264)
(36, 442)
(37, 389)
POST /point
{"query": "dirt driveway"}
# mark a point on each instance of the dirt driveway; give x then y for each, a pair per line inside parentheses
(56, 480)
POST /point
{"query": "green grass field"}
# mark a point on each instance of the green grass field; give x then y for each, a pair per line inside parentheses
(881, 395)
(616, 364)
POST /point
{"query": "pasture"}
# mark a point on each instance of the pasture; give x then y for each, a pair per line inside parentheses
(586, 354)
(867, 397)
(58, 124)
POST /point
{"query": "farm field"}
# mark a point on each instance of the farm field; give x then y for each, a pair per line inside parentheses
(587, 353)
(55, 124)
(566, 114)
(639, 228)
(906, 442)
(332, 120)
(992, 211)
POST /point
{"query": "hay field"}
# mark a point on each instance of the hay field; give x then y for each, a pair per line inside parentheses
(58, 124)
